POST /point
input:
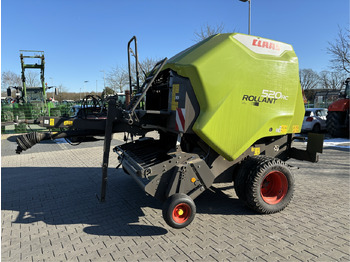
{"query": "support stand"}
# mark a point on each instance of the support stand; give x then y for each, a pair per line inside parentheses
(111, 114)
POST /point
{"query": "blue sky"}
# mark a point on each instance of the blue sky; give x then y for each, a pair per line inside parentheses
(82, 37)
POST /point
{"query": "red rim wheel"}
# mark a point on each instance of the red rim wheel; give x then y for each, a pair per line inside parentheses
(179, 210)
(274, 187)
(181, 213)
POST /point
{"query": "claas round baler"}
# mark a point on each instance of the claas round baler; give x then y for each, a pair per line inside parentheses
(226, 110)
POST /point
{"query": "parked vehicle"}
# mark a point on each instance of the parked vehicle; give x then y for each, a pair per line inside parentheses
(314, 120)
(338, 117)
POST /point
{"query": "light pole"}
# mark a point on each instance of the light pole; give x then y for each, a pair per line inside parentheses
(250, 2)
(84, 86)
(104, 80)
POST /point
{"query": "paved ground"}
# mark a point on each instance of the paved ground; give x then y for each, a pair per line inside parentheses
(50, 213)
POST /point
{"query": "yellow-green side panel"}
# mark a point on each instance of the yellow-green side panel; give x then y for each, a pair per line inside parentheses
(247, 88)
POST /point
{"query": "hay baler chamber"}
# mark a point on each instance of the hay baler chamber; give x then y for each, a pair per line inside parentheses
(226, 110)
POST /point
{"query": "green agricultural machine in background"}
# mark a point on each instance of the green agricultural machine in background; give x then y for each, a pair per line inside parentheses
(33, 94)
(31, 101)
(226, 110)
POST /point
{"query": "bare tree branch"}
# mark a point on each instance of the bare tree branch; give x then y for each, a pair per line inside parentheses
(32, 79)
(340, 51)
(146, 66)
(332, 80)
(309, 79)
(207, 31)
(117, 79)
(10, 78)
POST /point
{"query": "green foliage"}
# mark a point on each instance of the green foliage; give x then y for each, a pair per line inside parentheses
(107, 91)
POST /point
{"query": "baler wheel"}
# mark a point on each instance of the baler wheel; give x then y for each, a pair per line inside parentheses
(268, 184)
(240, 180)
(179, 210)
(274, 187)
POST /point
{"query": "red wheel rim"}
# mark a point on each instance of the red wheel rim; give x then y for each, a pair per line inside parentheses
(274, 187)
(181, 213)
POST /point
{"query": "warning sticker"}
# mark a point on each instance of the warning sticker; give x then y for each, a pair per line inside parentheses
(296, 129)
(68, 123)
(256, 151)
(52, 121)
(282, 129)
(180, 119)
(175, 98)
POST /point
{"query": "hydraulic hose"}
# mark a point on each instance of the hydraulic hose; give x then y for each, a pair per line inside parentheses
(26, 141)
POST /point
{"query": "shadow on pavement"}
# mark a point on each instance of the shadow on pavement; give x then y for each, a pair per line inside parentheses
(59, 196)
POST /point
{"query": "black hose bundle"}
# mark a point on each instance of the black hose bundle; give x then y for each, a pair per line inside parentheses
(26, 141)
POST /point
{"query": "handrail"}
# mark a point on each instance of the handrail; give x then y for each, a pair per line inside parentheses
(136, 64)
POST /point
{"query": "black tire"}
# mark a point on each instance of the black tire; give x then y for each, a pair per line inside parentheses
(179, 210)
(316, 128)
(269, 185)
(334, 122)
(241, 178)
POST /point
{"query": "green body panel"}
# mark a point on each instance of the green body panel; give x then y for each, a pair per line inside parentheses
(247, 87)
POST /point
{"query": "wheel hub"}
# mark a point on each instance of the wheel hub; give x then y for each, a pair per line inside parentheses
(274, 187)
(181, 213)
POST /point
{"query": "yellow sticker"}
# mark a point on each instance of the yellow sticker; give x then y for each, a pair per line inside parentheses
(68, 123)
(296, 129)
(175, 104)
(52, 121)
(284, 129)
(256, 151)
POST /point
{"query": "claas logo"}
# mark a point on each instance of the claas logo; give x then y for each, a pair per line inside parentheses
(266, 44)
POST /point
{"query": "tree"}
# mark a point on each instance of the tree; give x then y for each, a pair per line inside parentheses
(32, 79)
(117, 78)
(107, 91)
(208, 30)
(309, 79)
(10, 78)
(145, 66)
(332, 80)
(340, 51)
(62, 89)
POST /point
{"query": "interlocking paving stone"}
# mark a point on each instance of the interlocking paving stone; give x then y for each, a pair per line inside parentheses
(50, 213)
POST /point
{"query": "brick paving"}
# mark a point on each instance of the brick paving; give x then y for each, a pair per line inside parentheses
(49, 212)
